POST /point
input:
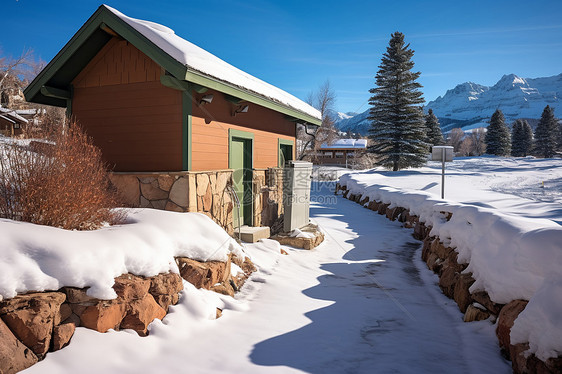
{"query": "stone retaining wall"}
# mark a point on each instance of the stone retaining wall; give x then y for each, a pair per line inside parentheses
(33, 324)
(455, 284)
(204, 192)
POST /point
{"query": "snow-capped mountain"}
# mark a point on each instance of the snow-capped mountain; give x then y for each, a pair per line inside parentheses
(355, 124)
(470, 105)
(339, 116)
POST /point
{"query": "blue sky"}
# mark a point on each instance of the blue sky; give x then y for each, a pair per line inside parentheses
(297, 45)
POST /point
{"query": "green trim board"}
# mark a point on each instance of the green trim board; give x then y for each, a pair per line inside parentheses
(233, 133)
(241, 160)
(280, 142)
(186, 129)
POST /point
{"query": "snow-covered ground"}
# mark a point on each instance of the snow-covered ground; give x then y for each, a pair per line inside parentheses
(505, 226)
(528, 187)
(362, 302)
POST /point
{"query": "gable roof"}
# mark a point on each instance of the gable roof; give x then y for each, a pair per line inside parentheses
(180, 58)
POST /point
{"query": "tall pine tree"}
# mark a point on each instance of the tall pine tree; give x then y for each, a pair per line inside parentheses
(546, 134)
(433, 129)
(397, 123)
(497, 139)
(521, 138)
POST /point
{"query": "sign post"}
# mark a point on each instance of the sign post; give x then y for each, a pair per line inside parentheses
(443, 153)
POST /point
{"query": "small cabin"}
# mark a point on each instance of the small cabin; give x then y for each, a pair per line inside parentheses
(341, 151)
(180, 128)
(11, 122)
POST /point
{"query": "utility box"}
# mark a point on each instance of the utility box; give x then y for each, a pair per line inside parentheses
(296, 194)
(442, 153)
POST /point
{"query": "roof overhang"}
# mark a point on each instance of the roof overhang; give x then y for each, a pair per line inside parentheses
(53, 84)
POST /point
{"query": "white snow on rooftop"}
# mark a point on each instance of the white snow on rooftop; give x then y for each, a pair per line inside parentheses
(196, 58)
(346, 143)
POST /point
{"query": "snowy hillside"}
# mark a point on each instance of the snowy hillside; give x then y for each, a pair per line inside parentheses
(470, 105)
(356, 124)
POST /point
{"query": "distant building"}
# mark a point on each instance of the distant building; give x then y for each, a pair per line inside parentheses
(341, 151)
(11, 122)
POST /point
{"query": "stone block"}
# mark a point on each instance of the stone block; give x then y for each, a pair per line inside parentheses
(14, 356)
(482, 297)
(448, 280)
(159, 204)
(165, 182)
(506, 318)
(179, 193)
(130, 287)
(207, 199)
(223, 178)
(202, 184)
(192, 190)
(62, 335)
(213, 182)
(105, 315)
(171, 207)
(31, 318)
(140, 313)
(474, 313)
(150, 191)
(127, 187)
(254, 234)
(165, 289)
(461, 294)
(203, 274)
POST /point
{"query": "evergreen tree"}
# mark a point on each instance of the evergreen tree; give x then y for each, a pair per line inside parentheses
(497, 139)
(521, 138)
(433, 129)
(546, 134)
(397, 123)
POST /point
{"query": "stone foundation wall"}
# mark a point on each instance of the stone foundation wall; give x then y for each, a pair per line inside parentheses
(205, 192)
(33, 324)
(455, 284)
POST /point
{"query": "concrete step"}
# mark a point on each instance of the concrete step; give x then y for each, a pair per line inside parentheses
(252, 234)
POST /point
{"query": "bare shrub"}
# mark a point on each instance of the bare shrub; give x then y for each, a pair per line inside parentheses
(60, 182)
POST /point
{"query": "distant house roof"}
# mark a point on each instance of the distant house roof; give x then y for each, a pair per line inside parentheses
(180, 58)
(346, 144)
(11, 116)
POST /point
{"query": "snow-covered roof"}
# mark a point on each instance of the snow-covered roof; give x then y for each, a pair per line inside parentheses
(346, 143)
(196, 58)
(12, 115)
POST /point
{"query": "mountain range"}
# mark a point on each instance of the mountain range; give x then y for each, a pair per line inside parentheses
(470, 105)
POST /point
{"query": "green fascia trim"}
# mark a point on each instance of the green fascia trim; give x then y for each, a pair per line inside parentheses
(285, 142)
(173, 82)
(233, 133)
(102, 16)
(194, 77)
(186, 129)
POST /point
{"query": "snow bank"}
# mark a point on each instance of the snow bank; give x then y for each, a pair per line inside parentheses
(510, 257)
(40, 258)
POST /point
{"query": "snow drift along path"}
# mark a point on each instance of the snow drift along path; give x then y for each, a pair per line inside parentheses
(362, 302)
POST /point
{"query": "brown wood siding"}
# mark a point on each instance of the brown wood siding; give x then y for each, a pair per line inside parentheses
(118, 62)
(133, 119)
(210, 125)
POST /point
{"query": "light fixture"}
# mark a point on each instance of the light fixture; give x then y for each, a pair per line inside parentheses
(207, 99)
(241, 109)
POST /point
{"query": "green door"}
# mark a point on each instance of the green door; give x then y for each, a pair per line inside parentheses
(285, 154)
(241, 162)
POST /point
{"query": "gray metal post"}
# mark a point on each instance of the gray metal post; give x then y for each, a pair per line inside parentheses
(443, 173)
